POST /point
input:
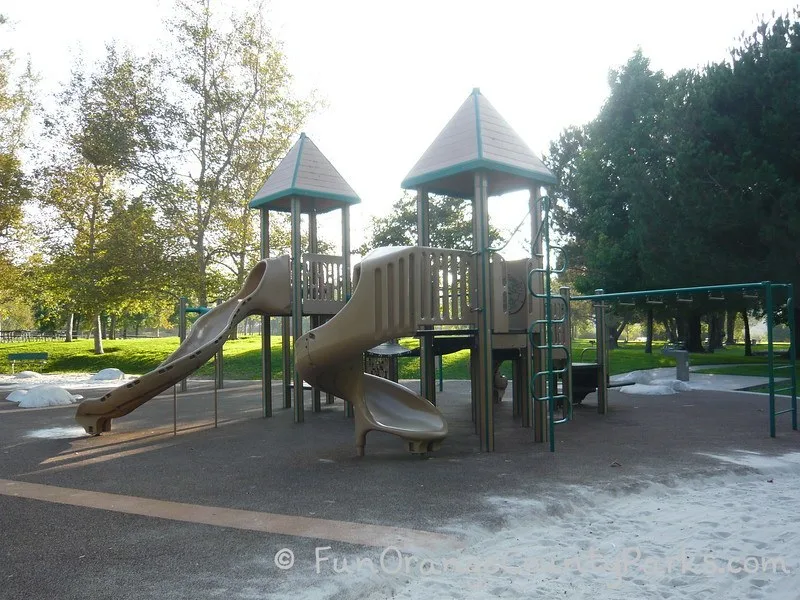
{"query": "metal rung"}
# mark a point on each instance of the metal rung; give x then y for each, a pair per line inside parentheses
(554, 372)
(780, 412)
(560, 421)
(549, 398)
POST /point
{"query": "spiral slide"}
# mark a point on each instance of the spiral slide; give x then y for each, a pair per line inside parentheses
(329, 357)
(266, 291)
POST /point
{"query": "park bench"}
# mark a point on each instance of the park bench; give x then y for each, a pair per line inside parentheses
(25, 357)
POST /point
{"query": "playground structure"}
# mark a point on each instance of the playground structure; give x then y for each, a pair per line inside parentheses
(500, 310)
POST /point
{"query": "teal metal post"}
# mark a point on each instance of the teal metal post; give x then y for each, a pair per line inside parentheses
(602, 355)
(482, 264)
(792, 351)
(534, 414)
(297, 306)
(770, 355)
(266, 327)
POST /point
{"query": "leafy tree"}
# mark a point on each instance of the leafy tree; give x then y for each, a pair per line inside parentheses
(15, 106)
(689, 180)
(233, 118)
(450, 218)
(108, 247)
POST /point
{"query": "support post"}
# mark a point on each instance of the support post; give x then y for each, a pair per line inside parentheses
(535, 414)
(538, 412)
(219, 365)
(602, 355)
(316, 394)
(266, 329)
(790, 306)
(182, 304)
(297, 306)
(481, 250)
(286, 356)
(174, 410)
(536, 224)
(768, 300)
(427, 360)
(474, 383)
(347, 283)
(217, 369)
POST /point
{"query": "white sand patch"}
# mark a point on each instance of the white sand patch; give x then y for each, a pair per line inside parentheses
(43, 395)
(762, 462)
(663, 382)
(657, 387)
(64, 380)
(111, 374)
(27, 375)
(644, 389)
(730, 536)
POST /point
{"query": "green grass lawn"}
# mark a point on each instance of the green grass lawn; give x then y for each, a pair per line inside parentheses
(242, 358)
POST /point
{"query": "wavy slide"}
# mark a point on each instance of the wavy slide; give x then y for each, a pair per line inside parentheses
(266, 291)
(330, 357)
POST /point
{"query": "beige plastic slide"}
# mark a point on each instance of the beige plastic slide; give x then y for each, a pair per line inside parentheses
(266, 291)
(330, 356)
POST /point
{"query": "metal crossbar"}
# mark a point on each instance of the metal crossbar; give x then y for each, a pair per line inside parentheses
(747, 290)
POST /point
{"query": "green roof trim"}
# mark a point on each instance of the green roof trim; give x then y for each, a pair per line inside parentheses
(475, 93)
(299, 158)
(481, 163)
(293, 191)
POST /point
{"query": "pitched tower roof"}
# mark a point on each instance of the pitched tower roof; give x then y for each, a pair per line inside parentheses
(306, 174)
(477, 137)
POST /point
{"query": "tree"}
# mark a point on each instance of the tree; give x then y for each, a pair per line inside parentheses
(15, 106)
(233, 118)
(607, 170)
(451, 220)
(689, 180)
(104, 250)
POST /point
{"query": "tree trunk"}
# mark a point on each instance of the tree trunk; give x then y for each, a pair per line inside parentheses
(104, 327)
(748, 345)
(70, 322)
(98, 334)
(136, 329)
(715, 332)
(113, 329)
(716, 341)
(694, 335)
(730, 327)
(614, 334)
(648, 346)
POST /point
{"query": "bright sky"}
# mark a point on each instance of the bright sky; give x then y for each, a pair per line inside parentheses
(393, 73)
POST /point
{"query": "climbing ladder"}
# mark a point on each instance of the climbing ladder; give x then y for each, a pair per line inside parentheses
(544, 383)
